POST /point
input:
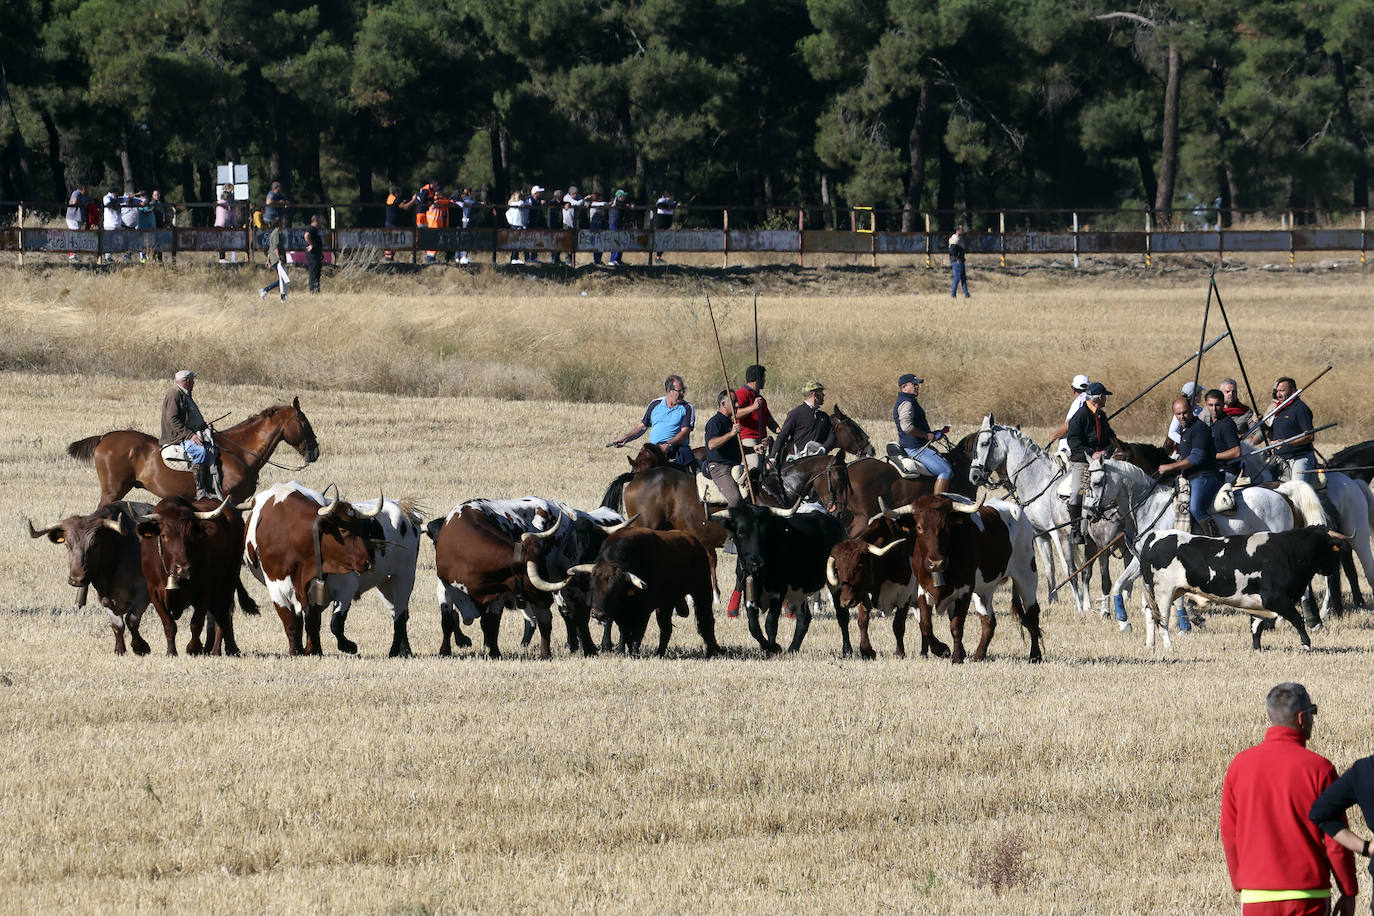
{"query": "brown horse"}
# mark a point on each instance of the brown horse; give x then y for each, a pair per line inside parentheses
(127, 458)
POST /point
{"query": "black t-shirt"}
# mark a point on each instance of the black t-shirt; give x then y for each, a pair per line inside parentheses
(729, 453)
(1225, 436)
(314, 247)
(1196, 445)
(1293, 420)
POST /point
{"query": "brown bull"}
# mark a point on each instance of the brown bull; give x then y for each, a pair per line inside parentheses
(127, 458)
(296, 537)
(103, 551)
(190, 558)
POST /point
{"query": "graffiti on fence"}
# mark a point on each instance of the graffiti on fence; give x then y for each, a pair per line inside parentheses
(63, 240)
(375, 238)
(689, 240)
(535, 239)
(1039, 243)
(211, 239)
(613, 240)
(763, 240)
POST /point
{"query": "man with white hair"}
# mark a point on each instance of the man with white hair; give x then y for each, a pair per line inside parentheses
(183, 424)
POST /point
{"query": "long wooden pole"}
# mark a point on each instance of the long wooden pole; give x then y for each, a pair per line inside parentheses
(730, 398)
(1088, 562)
(1218, 339)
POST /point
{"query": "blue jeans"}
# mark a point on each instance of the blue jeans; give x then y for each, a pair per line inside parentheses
(933, 462)
(1302, 465)
(960, 276)
(1204, 490)
(197, 453)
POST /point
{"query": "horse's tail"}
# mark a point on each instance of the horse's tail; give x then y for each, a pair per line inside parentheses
(84, 449)
(1301, 495)
(246, 602)
(615, 493)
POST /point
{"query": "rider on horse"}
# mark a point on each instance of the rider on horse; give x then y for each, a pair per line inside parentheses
(1089, 436)
(914, 434)
(806, 423)
(1198, 463)
(670, 420)
(183, 424)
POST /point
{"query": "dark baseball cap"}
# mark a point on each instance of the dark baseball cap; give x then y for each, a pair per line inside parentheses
(1097, 389)
(909, 377)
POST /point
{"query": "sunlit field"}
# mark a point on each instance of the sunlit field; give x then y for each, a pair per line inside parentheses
(1090, 783)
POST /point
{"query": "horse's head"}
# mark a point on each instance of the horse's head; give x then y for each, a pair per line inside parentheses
(298, 433)
(988, 452)
(849, 435)
(649, 456)
(1104, 488)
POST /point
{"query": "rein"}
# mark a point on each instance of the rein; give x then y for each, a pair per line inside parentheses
(1011, 477)
(266, 459)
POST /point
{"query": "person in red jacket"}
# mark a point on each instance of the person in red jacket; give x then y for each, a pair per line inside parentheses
(1280, 862)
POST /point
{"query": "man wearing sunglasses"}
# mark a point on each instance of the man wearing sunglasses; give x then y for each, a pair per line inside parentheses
(670, 421)
(1279, 860)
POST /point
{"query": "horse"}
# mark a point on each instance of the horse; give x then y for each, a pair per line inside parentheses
(1145, 505)
(1032, 477)
(1143, 455)
(127, 458)
(1356, 461)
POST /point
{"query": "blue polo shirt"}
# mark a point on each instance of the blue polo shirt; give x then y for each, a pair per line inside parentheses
(664, 421)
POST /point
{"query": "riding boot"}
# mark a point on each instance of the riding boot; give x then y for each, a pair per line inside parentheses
(1208, 527)
(203, 483)
(1075, 523)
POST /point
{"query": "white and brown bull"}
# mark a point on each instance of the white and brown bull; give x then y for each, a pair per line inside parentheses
(103, 551)
(963, 551)
(296, 539)
(868, 574)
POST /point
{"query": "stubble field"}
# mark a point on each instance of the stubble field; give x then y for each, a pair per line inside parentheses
(1090, 783)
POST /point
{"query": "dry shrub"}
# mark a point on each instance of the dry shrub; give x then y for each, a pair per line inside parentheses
(1004, 864)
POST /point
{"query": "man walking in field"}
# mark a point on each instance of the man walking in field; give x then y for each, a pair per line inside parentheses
(1279, 860)
(957, 268)
(276, 259)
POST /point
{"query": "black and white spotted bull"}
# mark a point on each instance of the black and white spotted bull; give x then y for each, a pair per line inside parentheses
(395, 536)
(1262, 574)
(482, 562)
(782, 556)
(639, 573)
(103, 551)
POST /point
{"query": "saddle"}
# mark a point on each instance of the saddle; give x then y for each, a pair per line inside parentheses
(174, 457)
(710, 493)
(907, 468)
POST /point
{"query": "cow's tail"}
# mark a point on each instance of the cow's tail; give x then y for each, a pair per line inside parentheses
(615, 493)
(84, 449)
(246, 602)
(1301, 494)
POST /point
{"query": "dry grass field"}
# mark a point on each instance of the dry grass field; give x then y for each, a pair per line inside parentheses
(1090, 783)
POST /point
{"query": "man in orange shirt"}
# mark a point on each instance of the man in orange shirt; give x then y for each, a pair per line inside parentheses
(1279, 860)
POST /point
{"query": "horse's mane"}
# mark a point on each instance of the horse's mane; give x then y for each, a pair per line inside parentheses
(1025, 440)
(1135, 477)
(261, 414)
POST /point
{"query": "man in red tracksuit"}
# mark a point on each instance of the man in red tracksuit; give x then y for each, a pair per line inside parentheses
(1279, 860)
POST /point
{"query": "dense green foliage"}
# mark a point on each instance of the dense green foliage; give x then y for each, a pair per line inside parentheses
(913, 104)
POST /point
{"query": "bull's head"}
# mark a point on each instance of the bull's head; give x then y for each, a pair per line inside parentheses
(345, 544)
(850, 569)
(177, 528)
(611, 589)
(88, 542)
(931, 518)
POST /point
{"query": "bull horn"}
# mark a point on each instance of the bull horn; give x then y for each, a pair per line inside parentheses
(612, 529)
(381, 504)
(35, 533)
(635, 581)
(549, 531)
(721, 513)
(539, 582)
(330, 505)
(885, 512)
(787, 513)
(972, 507)
(1335, 535)
(213, 513)
(114, 524)
(832, 572)
(585, 568)
(150, 517)
(882, 551)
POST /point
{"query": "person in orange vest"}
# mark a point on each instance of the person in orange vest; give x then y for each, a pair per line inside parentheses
(421, 202)
(438, 217)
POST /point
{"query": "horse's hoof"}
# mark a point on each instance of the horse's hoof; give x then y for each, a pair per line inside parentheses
(348, 646)
(941, 650)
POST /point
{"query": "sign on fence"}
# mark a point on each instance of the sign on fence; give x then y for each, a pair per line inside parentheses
(453, 239)
(376, 238)
(294, 241)
(689, 240)
(534, 239)
(763, 240)
(832, 240)
(1039, 243)
(62, 240)
(613, 240)
(212, 239)
(899, 243)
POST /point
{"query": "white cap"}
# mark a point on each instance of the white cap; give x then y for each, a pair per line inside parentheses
(537, 189)
(1079, 382)
(1189, 388)
(183, 374)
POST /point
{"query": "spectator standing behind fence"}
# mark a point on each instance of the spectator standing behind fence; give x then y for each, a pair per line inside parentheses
(957, 268)
(572, 203)
(224, 217)
(391, 218)
(77, 205)
(619, 208)
(274, 207)
(534, 217)
(314, 254)
(516, 214)
(465, 205)
(554, 219)
(663, 216)
(596, 219)
(1278, 859)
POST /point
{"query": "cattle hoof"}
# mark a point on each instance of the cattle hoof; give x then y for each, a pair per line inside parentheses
(142, 648)
(461, 641)
(1036, 659)
(1305, 648)
(868, 654)
(400, 650)
(899, 654)
(940, 649)
(846, 652)
(348, 646)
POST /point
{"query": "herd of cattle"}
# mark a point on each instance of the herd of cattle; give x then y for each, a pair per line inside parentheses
(620, 564)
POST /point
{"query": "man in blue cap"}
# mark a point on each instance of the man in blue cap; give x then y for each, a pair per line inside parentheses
(914, 434)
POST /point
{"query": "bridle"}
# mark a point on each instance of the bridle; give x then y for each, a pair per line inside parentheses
(265, 458)
(1009, 481)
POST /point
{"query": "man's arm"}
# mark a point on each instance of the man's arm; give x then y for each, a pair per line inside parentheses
(789, 429)
(682, 436)
(632, 434)
(725, 437)
(1228, 828)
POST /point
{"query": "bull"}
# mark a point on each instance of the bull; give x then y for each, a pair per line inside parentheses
(868, 573)
(782, 557)
(296, 540)
(638, 573)
(965, 551)
(395, 535)
(103, 551)
(190, 558)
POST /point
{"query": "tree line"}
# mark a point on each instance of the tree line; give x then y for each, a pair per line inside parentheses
(910, 104)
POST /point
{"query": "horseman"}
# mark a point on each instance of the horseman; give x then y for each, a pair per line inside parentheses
(183, 425)
(670, 420)
(807, 429)
(1225, 435)
(1079, 387)
(914, 434)
(755, 419)
(1295, 419)
(1090, 436)
(1192, 394)
(1198, 463)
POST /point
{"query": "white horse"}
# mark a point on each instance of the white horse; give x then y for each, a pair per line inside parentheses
(1034, 477)
(1144, 505)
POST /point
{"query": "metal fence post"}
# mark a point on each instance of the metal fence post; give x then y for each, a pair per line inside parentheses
(1148, 230)
(1002, 236)
(1075, 240)
(929, 263)
(725, 241)
(801, 237)
(1292, 251)
(1364, 235)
